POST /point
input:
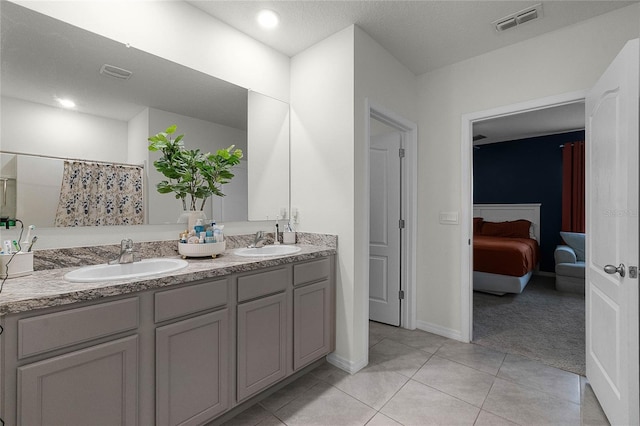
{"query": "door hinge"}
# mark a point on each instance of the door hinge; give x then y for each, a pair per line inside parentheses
(401, 295)
(401, 152)
(401, 224)
(633, 272)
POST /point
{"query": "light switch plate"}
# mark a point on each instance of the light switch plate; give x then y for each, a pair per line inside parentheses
(449, 218)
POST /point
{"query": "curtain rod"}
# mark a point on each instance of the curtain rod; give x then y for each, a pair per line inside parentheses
(72, 159)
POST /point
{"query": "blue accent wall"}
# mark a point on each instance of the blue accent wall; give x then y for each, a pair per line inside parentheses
(526, 171)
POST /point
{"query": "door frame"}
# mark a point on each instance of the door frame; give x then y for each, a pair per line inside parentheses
(466, 234)
(409, 206)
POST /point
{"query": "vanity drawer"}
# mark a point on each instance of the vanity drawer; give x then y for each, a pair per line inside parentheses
(182, 301)
(262, 283)
(314, 270)
(60, 329)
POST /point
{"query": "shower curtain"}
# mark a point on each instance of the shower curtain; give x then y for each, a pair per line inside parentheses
(99, 194)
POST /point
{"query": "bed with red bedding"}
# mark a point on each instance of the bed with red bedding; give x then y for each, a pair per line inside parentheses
(504, 256)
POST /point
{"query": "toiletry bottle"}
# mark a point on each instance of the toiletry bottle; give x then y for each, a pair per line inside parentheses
(218, 236)
(199, 227)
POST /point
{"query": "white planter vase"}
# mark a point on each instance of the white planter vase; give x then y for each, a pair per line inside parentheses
(190, 217)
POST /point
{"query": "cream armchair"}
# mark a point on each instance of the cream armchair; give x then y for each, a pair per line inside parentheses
(570, 263)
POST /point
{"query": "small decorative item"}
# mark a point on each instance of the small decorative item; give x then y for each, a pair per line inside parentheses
(191, 173)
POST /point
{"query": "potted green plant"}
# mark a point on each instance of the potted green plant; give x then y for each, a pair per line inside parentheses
(191, 175)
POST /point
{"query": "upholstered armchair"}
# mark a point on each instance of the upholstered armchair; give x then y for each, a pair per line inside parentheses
(570, 263)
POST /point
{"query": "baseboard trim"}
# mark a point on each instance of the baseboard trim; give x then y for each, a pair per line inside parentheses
(440, 330)
(346, 365)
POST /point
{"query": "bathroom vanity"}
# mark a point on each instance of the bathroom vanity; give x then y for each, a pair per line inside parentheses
(166, 350)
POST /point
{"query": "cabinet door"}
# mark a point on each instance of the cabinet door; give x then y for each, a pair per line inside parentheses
(192, 369)
(93, 386)
(262, 343)
(311, 323)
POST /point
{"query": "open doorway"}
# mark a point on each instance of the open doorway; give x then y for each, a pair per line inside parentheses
(521, 320)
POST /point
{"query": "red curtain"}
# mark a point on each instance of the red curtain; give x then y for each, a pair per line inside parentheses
(573, 205)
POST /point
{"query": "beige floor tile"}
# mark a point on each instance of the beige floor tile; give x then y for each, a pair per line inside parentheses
(419, 340)
(418, 404)
(382, 420)
(591, 413)
(455, 379)
(373, 385)
(474, 356)
(249, 417)
(527, 406)
(527, 372)
(328, 373)
(288, 393)
(270, 420)
(397, 357)
(487, 419)
(325, 405)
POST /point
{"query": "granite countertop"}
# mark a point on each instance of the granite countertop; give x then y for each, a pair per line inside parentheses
(48, 288)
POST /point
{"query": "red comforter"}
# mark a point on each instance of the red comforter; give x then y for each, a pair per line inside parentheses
(505, 256)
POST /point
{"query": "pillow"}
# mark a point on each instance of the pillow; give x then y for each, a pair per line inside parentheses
(514, 229)
(477, 225)
(576, 241)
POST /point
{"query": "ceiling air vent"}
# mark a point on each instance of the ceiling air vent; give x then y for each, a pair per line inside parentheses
(518, 18)
(116, 72)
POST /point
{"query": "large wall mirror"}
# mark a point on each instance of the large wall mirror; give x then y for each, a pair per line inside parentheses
(45, 60)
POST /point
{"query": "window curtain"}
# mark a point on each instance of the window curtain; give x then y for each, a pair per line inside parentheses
(99, 194)
(573, 190)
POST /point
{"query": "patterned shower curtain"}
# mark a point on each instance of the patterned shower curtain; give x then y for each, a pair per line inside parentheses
(99, 194)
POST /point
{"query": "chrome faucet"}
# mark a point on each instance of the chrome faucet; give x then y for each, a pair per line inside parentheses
(258, 240)
(127, 254)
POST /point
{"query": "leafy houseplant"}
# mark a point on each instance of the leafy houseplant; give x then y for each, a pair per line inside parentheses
(191, 173)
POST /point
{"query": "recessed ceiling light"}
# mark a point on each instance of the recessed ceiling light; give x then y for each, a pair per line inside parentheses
(67, 103)
(268, 19)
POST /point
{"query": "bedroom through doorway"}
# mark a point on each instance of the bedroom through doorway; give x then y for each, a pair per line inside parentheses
(517, 189)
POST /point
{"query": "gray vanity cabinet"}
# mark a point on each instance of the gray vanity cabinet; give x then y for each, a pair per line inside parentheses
(262, 330)
(74, 366)
(192, 354)
(97, 385)
(312, 311)
(192, 369)
(180, 355)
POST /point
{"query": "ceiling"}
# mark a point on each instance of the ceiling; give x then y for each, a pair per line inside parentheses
(422, 35)
(548, 121)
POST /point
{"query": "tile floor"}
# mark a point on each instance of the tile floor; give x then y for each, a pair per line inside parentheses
(418, 378)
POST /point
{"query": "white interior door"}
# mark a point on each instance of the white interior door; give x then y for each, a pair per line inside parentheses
(612, 237)
(384, 232)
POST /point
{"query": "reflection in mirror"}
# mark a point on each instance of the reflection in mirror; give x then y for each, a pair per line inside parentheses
(44, 59)
(268, 145)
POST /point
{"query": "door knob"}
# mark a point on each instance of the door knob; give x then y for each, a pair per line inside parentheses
(610, 269)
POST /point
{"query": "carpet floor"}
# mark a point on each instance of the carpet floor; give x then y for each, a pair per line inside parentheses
(540, 323)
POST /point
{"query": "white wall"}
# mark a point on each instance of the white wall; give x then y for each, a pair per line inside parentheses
(322, 161)
(179, 32)
(560, 62)
(385, 82)
(32, 128)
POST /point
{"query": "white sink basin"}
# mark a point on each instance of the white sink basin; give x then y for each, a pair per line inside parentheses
(123, 271)
(270, 250)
